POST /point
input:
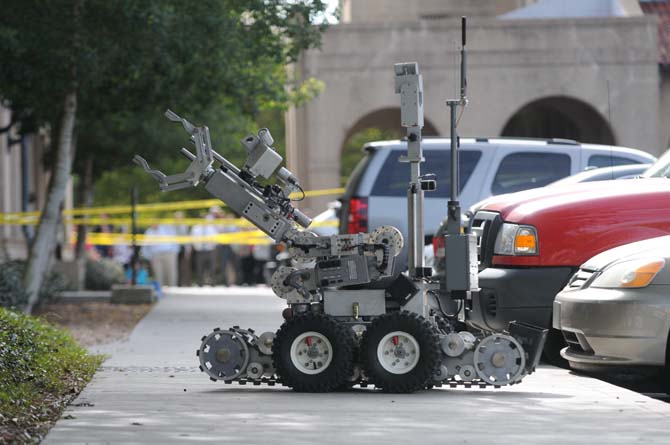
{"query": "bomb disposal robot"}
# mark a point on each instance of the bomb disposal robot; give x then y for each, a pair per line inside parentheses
(351, 320)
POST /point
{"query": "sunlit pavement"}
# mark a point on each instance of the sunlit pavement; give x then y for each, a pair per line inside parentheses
(151, 391)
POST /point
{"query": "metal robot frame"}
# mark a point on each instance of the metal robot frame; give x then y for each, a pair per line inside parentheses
(349, 319)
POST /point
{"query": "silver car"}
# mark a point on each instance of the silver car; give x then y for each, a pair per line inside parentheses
(615, 311)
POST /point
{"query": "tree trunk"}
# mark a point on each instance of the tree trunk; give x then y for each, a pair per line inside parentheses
(85, 200)
(45, 239)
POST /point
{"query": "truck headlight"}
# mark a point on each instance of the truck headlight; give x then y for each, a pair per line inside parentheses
(629, 274)
(515, 239)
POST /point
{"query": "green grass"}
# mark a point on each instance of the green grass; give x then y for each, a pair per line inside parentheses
(42, 368)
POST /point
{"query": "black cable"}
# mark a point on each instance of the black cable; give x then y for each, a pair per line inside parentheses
(385, 256)
(301, 191)
(439, 305)
(290, 280)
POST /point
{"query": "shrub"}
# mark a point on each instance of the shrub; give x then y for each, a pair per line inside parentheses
(12, 292)
(103, 273)
(41, 370)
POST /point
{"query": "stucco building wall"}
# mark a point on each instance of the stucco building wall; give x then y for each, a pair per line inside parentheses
(511, 63)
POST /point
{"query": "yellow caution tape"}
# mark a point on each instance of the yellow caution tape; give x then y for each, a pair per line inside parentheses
(251, 237)
(146, 222)
(26, 218)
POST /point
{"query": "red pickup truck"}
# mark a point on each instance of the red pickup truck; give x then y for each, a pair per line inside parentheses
(532, 242)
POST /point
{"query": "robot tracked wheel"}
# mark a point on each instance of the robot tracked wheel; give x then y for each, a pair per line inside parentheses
(224, 355)
(499, 359)
(265, 342)
(401, 351)
(312, 352)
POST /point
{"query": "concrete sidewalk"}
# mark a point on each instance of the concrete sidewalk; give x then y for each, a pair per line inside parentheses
(151, 391)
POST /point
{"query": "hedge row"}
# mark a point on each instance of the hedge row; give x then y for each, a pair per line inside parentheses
(42, 368)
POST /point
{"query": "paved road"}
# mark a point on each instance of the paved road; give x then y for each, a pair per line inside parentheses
(151, 391)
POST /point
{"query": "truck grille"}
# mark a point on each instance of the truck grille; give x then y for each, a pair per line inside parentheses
(485, 226)
(491, 305)
(478, 228)
(581, 279)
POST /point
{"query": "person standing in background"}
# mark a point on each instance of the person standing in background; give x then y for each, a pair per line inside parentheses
(184, 256)
(204, 251)
(122, 253)
(163, 255)
(104, 227)
(261, 253)
(247, 262)
(225, 254)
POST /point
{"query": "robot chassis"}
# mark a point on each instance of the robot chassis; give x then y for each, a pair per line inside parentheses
(351, 320)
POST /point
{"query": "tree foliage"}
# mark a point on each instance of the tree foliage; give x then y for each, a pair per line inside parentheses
(132, 55)
(132, 59)
(109, 63)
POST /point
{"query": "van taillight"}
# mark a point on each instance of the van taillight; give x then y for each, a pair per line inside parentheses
(358, 215)
(438, 246)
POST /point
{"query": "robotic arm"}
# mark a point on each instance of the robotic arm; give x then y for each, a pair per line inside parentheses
(268, 207)
(201, 165)
(338, 260)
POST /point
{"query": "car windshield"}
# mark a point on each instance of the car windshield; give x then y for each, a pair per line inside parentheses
(660, 169)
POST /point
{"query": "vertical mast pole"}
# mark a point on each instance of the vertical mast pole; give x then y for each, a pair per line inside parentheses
(453, 206)
(409, 84)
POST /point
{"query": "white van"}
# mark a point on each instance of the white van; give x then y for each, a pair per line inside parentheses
(376, 193)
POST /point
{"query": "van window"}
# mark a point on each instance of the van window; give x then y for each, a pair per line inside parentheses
(393, 178)
(610, 161)
(523, 171)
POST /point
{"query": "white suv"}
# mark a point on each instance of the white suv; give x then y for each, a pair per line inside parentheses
(376, 193)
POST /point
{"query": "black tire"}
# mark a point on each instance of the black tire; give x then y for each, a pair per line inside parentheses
(552, 349)
(425, 335)
(353, 380)
(335, 375)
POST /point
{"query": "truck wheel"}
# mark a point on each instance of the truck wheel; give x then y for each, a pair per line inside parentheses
(313, 353)
(552, 349)
(401, 352)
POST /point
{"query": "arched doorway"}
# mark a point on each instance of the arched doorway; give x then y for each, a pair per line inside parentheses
(388, 120)
(560, 117)
(377, 125)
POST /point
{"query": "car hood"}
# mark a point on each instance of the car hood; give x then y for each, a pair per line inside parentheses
(659, 246)
(540, 199)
